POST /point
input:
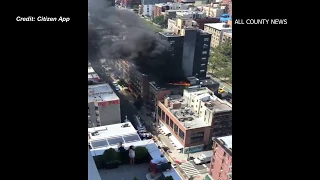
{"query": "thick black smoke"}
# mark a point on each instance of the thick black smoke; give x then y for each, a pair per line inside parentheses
(120, 34)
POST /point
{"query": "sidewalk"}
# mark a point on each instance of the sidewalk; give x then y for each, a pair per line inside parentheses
(225, 86)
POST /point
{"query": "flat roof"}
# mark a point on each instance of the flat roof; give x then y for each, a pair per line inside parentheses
(112, 135)
(211, 101)
(101, 93)
(90, 70)
(169, 34)
(207, 82)
(227, 141)
(218, 26)
(185, 116)
(93, 76)
(153, 150)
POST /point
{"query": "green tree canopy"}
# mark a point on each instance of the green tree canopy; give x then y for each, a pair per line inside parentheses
(220, 62)
(159, 20)
(121, 82)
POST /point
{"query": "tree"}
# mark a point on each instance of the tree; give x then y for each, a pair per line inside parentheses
(122, 82)
(135, 178)
(220, 62)
(159, 20)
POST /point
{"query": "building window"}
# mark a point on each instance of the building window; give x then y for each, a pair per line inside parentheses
(176, 129)
(159, 111)
(204, 52)
(196, 137)
(96, 108)
(204, 59)
(163, 115)
(224, 153)
(206, 39)
(203, 65)
(205, 46)
(181, 134)
(202, 70)
(172, 42)
(222, 161)
(171, 123)
(167, 119)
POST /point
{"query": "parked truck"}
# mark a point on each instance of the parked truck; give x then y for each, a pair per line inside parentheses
(204, 157)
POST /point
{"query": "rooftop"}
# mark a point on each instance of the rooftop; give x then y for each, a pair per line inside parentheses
(156, 86)
(90, 69)
(218, 26)
(227, 141)
(101, 93)
(169, 34)
(93, 76)
(186, 117)
(211, 101)
(153, 151)
(207, 82)
(112, 135)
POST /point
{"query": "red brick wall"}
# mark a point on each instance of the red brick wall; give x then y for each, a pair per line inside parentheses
(187, 133)
(219, 162)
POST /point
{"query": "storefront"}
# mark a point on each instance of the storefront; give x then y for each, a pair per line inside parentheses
(193, 149)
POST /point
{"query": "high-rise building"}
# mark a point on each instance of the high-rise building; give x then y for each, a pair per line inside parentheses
(196, 50)
(221, 162)
(176, 46)
(103, 106)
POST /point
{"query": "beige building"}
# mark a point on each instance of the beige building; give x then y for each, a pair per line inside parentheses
(217, 30)
(177, 25)
(227, 36)
(213, 11)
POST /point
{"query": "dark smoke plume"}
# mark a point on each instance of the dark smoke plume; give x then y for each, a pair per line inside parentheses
(120, 34)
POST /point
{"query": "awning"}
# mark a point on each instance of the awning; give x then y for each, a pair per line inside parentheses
(176, 142)
(164, 129)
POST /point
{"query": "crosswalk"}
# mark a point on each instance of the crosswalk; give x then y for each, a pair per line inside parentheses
(189, 169)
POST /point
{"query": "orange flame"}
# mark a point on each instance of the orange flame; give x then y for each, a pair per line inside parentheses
(181, 83)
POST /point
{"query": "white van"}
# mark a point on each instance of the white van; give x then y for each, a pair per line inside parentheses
(203, 158)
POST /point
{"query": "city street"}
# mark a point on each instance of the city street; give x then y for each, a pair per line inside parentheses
(126, 99)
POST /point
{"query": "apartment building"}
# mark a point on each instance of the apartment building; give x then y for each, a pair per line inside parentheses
(213, 10)
(103, 106)
(221, 162)
(196, 50)
(190, 15)
(138, 83)
(217, 30)
(227, 36)
(93, 173)
(160, 9)
(146, 10)
(177, 25)
(176, 46)
(194, 118)
(159, 92)
(130, 3)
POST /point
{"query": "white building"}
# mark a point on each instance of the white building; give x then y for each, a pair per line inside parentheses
(147, 9)
(103, 106)
(93, 173)
(190, 15)
(110, 136)
(92, 75)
